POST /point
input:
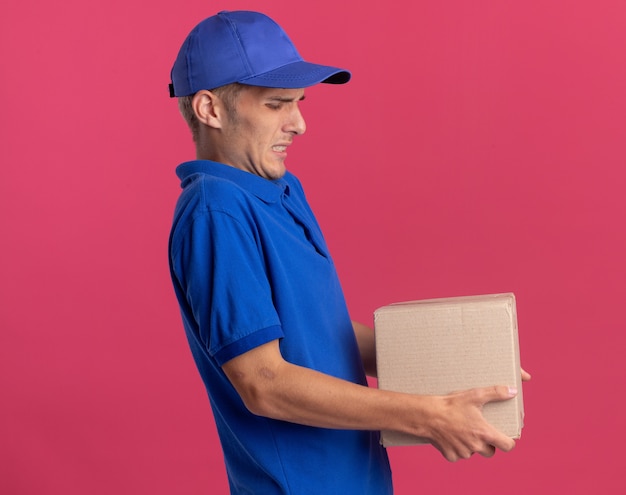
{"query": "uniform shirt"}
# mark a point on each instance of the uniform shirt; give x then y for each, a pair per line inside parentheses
(250, 265)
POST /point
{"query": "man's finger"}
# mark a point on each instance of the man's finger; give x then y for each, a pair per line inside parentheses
(497, 393)
(499, 440)
(488, 451)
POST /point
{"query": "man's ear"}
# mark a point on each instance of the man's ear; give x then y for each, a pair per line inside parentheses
(207, 108)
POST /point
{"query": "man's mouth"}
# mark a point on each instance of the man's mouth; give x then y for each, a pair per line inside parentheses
(279, 149)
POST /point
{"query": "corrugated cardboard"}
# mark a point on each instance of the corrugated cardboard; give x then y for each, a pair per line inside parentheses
(439, 346)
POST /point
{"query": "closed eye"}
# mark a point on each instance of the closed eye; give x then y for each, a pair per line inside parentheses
(277, 102)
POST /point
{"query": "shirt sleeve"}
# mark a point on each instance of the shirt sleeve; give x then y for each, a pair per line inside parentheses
(220, 268)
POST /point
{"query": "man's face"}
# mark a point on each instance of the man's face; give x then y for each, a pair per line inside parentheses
(255, 137)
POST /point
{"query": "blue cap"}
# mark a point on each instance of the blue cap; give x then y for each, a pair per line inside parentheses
(248, 48)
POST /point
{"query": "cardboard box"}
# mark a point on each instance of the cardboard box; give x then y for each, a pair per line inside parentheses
(439, 346)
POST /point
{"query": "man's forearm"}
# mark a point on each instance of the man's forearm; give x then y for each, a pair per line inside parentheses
(301, 395)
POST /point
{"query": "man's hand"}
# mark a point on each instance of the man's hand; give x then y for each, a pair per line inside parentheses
(459, 428)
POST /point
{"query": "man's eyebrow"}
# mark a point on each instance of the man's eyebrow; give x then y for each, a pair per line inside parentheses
(285, 99)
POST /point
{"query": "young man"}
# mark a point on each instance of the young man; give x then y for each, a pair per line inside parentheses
(262, 306)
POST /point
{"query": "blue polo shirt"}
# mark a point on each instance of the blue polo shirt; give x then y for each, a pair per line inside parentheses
(250, 265)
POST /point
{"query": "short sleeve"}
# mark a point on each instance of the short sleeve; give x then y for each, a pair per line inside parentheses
(220, 269)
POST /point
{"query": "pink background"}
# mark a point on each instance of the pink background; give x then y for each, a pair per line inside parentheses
(480, 148)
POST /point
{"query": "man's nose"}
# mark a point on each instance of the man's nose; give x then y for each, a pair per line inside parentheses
(296, 123)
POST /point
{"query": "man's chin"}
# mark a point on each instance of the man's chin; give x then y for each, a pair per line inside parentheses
(275, 173)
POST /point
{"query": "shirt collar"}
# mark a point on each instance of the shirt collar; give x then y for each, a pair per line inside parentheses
(267, 190)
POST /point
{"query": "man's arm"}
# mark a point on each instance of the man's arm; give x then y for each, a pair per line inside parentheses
(367, 346)
(272, 387)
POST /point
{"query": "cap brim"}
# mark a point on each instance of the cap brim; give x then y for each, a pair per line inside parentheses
(299, 75)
